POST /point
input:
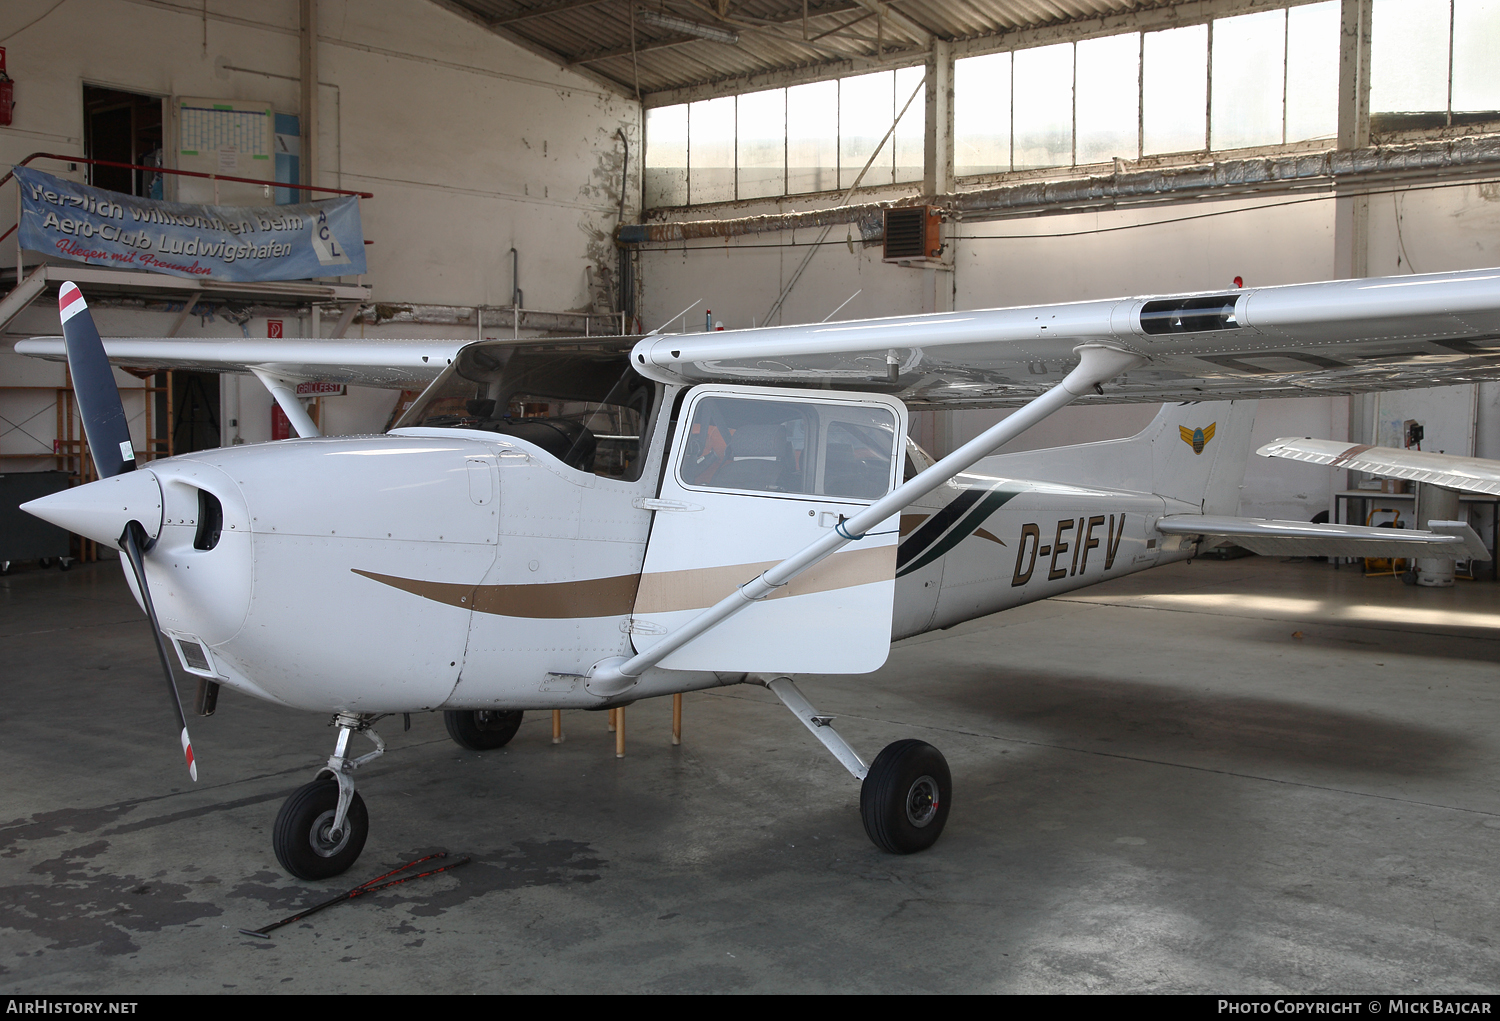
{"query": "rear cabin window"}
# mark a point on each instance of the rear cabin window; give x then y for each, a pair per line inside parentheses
(794, 448)
(581, 403)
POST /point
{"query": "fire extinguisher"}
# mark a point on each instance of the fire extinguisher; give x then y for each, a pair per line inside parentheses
(7, 93)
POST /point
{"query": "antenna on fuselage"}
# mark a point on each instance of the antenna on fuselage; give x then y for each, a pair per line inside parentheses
(679, 315)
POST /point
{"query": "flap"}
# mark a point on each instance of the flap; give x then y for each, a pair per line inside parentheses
(1470, 474)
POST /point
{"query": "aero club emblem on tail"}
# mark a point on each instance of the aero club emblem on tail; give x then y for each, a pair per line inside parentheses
(1197, 438)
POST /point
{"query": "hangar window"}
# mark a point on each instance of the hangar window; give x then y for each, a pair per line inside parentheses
(1432, 65)
(1264, 79)
(581, 403)
(789, 447)
(1257, 80)
(806, 138)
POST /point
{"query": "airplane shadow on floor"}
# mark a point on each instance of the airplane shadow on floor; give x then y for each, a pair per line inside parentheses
(1205, 728)
(1463, 644)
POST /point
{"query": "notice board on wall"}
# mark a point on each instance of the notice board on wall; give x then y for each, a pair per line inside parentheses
(234, 138)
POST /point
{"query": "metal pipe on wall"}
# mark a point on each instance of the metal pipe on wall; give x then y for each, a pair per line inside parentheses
(1348, 170)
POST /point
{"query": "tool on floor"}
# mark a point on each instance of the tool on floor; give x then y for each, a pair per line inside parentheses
(363, 888)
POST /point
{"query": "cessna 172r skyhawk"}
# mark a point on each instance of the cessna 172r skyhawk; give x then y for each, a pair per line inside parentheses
(582, 523)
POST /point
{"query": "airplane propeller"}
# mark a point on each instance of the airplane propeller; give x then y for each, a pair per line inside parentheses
(108, 433)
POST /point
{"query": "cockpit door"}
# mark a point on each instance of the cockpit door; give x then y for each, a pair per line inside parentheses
(755, 475)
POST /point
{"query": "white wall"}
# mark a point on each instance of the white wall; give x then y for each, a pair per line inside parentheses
(471, 145)
(1021, 262)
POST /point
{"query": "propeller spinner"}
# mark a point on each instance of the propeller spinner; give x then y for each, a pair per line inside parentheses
(108, 433)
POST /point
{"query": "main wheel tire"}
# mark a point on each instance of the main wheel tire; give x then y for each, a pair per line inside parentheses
(905, 798)
(482, 730)
(301, 834)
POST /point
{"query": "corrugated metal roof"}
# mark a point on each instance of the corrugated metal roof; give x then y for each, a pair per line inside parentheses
(603, 40)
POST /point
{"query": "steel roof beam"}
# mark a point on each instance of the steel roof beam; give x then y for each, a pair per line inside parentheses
(899, 20)
(541, 12)
(659, 44)
(614, 85)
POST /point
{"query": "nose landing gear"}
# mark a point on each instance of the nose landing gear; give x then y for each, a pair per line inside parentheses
(321, 828)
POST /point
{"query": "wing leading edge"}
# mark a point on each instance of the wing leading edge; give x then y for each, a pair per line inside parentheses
(1338, 337)
(392, 364)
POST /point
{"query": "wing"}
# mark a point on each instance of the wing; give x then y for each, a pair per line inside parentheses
(1187, 434)
(1208, 432)
(1471, 474)
(1340, 337)
(393, 364)
(1453, 539)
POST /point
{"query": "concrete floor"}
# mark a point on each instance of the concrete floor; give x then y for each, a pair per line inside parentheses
(1249, 776)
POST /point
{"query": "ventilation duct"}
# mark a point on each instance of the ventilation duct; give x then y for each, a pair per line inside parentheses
(913, 234)
(672, 23)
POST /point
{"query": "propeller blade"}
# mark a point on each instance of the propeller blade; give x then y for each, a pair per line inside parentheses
(131, 541)
(108, 433)
(104, 421)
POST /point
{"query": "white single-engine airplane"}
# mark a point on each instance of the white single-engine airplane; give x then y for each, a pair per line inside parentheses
(562, 524)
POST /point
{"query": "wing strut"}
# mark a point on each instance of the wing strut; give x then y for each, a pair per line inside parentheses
(1097, 363)
(285, 392)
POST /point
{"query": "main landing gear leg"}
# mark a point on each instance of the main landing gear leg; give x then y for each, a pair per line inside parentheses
(322, 827)
(904, 794)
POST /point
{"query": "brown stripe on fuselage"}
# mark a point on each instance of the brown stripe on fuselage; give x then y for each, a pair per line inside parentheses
(658, 593)
(704, 586)
(594, 597)
(909, 523)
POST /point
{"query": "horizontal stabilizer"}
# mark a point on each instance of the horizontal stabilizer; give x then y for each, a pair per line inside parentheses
(1470, 474)
(1448, 539)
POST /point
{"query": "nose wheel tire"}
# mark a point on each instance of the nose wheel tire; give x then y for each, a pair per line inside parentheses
(905, 797)
(484, 729)
(303, 838)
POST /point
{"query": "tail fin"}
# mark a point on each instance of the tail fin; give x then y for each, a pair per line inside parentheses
(1191, 452)
(1199, 451)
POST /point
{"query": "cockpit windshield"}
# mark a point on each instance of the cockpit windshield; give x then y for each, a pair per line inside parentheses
(580, 402)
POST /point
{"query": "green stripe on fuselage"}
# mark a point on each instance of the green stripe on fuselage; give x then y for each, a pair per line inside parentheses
(964, 527)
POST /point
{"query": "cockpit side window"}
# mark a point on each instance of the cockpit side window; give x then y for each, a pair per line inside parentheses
(790, 447)
(581, 403)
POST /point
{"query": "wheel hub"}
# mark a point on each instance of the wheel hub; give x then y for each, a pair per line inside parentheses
(922, 801)
(325, 842)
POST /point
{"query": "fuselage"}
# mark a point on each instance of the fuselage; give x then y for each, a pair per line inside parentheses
(449, 568)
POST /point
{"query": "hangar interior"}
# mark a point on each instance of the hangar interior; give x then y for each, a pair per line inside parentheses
(1228, 775)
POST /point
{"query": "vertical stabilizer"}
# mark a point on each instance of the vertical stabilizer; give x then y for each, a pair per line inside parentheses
(1199, 451)
(1192, 452)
